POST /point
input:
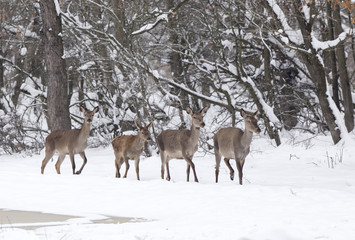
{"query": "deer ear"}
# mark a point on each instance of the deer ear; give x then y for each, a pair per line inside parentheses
(242, 112)
(82, 108)
(189, 111)
(96, 109)
(137, 124)
(204, 110)
(255, 114)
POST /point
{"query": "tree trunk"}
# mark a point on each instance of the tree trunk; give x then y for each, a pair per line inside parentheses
(343, 73)
(332, 57)
(120, 22)
(57, 95)
(176, 64)
(317, 73)
(268, 78)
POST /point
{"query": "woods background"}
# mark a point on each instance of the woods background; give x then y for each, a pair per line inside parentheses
(294, 61)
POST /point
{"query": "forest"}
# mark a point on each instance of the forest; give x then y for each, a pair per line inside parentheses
(293, 61)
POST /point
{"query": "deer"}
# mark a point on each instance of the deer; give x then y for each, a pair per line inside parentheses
(234, 143)
(130, 147)
(181, 144)
(69, 142)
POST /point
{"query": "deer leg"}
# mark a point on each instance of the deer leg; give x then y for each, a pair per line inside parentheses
(162, 157)
(240, 170)
(218, 163)
(127, 167)
(71, 155)
(59, 162)
(167, 169)
(137, 167)
(192, 165)
(85, 160)
(117, 167)
(188, 173)
(231, 171)
(118, 164)
(47, 157)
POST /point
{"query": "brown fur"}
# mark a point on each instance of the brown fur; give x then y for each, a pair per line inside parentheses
(234, 143)
(181, 144)
(69, 142)
(130, 148)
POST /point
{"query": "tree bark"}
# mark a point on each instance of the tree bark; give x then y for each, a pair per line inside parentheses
(343, 73)
(332, 57)
(317, 73)
(57, 95)
(120, 22)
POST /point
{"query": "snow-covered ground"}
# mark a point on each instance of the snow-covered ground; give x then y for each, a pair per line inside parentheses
(293, 192)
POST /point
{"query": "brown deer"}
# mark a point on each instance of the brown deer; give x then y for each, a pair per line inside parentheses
(235, 143)
(181, 144)
(73, 141)
(130, 148)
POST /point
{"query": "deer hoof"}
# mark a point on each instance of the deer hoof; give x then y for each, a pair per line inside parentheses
(78, 172)
(232, 177)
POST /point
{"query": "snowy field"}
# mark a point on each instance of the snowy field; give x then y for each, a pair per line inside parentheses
(298, 191)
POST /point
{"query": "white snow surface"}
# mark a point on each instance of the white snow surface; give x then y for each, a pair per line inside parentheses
(57, 7)
(298, 190)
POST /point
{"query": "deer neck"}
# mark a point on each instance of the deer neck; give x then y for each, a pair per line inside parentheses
(246, 138)
(195, 133)
(85, 130)
(139, 142)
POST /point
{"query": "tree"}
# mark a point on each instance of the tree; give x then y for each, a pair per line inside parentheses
(295, 27)
(343, 73)
(57, 95)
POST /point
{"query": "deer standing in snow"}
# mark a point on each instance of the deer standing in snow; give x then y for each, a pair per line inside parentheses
(181, 144)
(72, 141)
(130, 148)
(234, 143)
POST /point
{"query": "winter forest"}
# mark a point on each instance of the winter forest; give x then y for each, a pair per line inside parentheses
(282, 71)
(293, 61)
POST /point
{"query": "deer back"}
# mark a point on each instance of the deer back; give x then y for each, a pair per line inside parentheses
(232, 142)
(228, 141)
(177, 143)
(131, 146)
(65, 141)
(127, 145)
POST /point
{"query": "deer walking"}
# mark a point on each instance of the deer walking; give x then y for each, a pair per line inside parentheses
(130, 148)
(73, 141)
(234, 143)
(181, 144)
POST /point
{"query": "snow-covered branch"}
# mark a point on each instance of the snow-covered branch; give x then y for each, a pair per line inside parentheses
(57, 7)
(164, 16)
(319, 45)
(157, 76)
(293, 35)
(339, 119)
(231, 69)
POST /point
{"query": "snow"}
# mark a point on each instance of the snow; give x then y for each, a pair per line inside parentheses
(268, 110)
(57, 7)
(150, 26)
(23, 51)
(289, 192)
(339, 119)
(86, 66)
(294, 35)
(327, 44)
